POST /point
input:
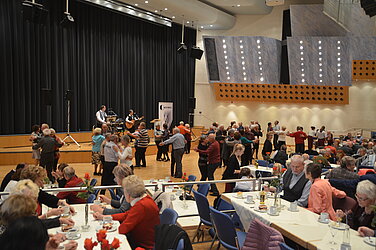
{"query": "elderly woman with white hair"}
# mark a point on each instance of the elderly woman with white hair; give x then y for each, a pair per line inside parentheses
(139, 222)
(119, 206)
(47, 156)
(363, 214)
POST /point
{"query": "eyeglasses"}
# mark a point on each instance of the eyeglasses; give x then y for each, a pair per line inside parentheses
(360, 198)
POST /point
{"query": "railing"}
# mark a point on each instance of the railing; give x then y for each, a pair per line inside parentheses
(256, 182)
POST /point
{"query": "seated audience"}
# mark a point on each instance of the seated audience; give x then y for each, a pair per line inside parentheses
(281, 156)
(363, 213)
(119, 206)
(13, 182)
(72, 181)
(320, 159)
(34, 236)
(37, 175)
(244, 186)
(278, 169)
(30, 189)
(139, 222)
(321, 193)
(346, 171)
(8, 176)
(233, 167)
(348, 148)
(59, 175)
(349, 186)
(370, 159)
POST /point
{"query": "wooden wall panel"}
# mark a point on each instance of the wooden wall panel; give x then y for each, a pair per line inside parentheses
(364, 69)
(282, 93)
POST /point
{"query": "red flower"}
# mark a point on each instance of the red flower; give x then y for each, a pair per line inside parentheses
(105, 245)
(115, 243)
(89, 244)
(87, 176)
(185, 174)
(139, 248)
(101, 235)
(284, 169)
(275, 168)
(268, 153)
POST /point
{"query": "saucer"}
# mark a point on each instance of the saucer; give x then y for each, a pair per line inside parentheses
(338, 226)
(273, 214)
(252, 202)
(236, 196)
(260, 211)
(324, 222)
(78, 235)
(297, 210)
(370, 240)
(113, 229)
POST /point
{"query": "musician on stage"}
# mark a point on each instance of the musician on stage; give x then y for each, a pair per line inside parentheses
(130, 120)
(101, 116)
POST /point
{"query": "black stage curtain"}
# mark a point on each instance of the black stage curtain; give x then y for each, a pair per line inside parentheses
(104, 58)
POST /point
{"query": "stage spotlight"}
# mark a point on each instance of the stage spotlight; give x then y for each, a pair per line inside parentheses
(196, 52)
(34, 12)
(182, 48)
(68, 19)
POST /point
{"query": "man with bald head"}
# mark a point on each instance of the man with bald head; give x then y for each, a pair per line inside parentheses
(214, 160)
(294, 183)
(178, 144)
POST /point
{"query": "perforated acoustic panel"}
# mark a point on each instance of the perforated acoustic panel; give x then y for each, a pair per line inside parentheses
(364, 69)
(282, 93)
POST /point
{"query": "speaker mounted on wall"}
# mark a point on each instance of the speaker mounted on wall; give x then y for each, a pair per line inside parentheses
(46, 97)
(196, 52)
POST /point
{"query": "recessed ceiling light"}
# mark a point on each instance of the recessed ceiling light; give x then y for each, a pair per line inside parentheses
(165, 9)
(173, 16)
(146, 1)
(202, 27)
(211, 25)
(136, 4)
(238, 5)
(187, 21)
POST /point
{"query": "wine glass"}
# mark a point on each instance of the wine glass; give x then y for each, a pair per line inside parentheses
(333, 232)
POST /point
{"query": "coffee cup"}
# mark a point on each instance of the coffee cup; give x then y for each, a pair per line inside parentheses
(97, 202)
(72, 233)
(324, 217)
(249, 198)
(293, 206)
(273, 210)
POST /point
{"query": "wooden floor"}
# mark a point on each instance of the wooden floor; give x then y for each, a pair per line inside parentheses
(155, 170)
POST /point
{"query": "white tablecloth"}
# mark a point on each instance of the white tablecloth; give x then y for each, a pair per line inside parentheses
(262, 169)
(303, 224)
(79, 219)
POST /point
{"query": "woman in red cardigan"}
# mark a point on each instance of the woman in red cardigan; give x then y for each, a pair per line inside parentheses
(139, 221)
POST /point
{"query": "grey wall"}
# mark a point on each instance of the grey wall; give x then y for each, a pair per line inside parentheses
(244, 59)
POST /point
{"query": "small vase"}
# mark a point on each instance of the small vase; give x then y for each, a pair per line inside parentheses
(86, 226)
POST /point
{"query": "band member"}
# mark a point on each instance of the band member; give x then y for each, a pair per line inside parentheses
(130, 121)
(101, 116)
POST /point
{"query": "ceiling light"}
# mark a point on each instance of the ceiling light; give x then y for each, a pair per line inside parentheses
(136, 4)
(228, 78)
(155, 11)
(245, 78)
(241, 41)
(165, 9)
(146, 1)
(262, 79)
(319, 42)
(173, 17)
(187, 21)
(258, 41)
(202, 27)
(211, 25)
(238, 5)
(301, 42)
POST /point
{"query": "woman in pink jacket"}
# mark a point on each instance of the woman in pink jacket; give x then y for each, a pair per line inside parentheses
(321, 193)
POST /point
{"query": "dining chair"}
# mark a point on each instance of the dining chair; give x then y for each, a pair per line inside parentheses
(345, 204)
(93, 182)
(262, 236)
(113, 195)
(203, 189)
(91, 198)
(225, 230)
(284, 246)
(168, 216)
(263, 163)
(204, 213)
(189, 187)
(223, 205)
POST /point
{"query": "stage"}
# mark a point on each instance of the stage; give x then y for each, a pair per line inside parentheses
(15, 149)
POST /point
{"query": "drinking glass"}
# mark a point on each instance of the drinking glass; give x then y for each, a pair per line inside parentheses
(333, 232)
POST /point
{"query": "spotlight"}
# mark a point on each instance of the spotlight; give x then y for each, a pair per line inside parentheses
(68, 19)
(196, 52)
(34, 12)
(182, 48)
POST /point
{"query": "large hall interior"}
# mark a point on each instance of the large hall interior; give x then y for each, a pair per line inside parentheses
(188, 124)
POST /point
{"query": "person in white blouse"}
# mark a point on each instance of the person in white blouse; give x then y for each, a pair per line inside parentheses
(281, 137)
(125, 154)
(311, 137)
(321, 136)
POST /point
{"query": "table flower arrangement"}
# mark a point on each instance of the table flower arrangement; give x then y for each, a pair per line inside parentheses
(104, 243)
(89, 189)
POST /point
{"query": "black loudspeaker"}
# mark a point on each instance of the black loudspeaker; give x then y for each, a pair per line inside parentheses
(68, 95)
(369, 7)
(46, 97)
(286, 32)
(196, 52)
(192, 103)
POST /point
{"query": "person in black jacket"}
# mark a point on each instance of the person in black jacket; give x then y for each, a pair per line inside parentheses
(233, 167)
(203, 158)
(268, 146)
(48, 145)
(281, 156)
(258, 134)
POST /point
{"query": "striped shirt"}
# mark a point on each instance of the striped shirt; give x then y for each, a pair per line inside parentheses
(143, 138)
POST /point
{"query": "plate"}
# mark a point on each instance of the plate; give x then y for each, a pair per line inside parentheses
(370, 240)
(76, 237)
(297, 210)
(260, 211)
(236, 196)
(113, 229)
(59, 231)
(339, 226)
